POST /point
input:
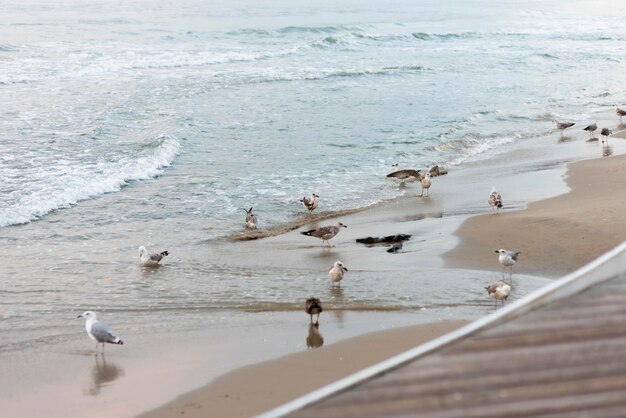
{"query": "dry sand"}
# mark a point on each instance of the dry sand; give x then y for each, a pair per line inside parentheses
(557, 235)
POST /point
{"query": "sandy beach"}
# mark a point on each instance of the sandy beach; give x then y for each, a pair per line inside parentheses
(555, 235)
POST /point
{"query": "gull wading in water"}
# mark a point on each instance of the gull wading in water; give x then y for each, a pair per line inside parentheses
(335, 274)
(404, 175)
(313, 306)
(506, 259)
(250, 219)
(605, 133)
(591, 129)
(495, 200)
(620, 112)
(310, 202)
(563, 125)
(325, 233)
(150, 260)
(499, 291)
(99, 331)
(426, 183)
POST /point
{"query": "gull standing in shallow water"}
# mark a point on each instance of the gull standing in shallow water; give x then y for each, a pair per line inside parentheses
(507, 259)
(563, 125)
(313, 306)
(499, 291)
(150, 260)
(250, 219)
(426, 183)
(404, 175)
(495, 200)
(605, 133)
(310, 202)
(325, 233)
(99, 331)
(591, 129)
(335, 274)
(620, 112)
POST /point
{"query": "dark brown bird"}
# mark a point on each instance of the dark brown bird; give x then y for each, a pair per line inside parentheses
(313, 306)
(404, 175)
(605, 132)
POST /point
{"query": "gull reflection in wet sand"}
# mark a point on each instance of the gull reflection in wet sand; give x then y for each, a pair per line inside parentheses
(337, 297)
(314, 339)
(102, 374)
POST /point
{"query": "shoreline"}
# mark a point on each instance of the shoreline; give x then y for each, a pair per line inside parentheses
(238, 394)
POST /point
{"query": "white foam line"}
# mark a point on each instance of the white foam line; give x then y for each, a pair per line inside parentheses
(604, 267)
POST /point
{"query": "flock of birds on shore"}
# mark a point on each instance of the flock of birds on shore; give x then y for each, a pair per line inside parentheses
(499, 290)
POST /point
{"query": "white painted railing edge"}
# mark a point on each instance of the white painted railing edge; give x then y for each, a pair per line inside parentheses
(604, 267)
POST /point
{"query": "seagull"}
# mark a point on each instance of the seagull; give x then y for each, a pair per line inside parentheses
(335, 274)
(395, 248)
(507, 259)
(591, 129)
(313, 306)
(563, 125)
(499, 291)
(99, 331)
(605, 133)
(620, 113)
(404, 175)
(250, 219)
(325, 233)
(426, 183)
(150, 260)
(495, 200)
(311, 202)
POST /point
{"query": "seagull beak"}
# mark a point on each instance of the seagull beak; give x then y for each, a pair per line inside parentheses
(497, 251)
(79, 316)
(345, 268)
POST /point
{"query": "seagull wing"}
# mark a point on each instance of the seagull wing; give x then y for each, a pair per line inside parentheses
(102, 333)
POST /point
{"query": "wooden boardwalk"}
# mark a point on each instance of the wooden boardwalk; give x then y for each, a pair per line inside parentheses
(564, 358)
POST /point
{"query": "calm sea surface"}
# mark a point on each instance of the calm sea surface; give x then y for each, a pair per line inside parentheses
(156, 122)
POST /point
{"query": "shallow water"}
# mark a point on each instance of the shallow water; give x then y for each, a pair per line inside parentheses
(156, 124)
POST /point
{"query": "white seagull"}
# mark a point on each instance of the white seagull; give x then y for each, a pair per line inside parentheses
(325, 233)
(499, 291)
(507, 259)
(426, 183)
(250, 219)
(99, 331)
(150, 260)
(310, 202)
(335, 274)
(495, 200)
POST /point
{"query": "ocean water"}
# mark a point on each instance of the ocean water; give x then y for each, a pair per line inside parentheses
(156, 123)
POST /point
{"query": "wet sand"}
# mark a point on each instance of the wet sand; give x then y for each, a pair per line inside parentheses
(556, 235)
(257, 388)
